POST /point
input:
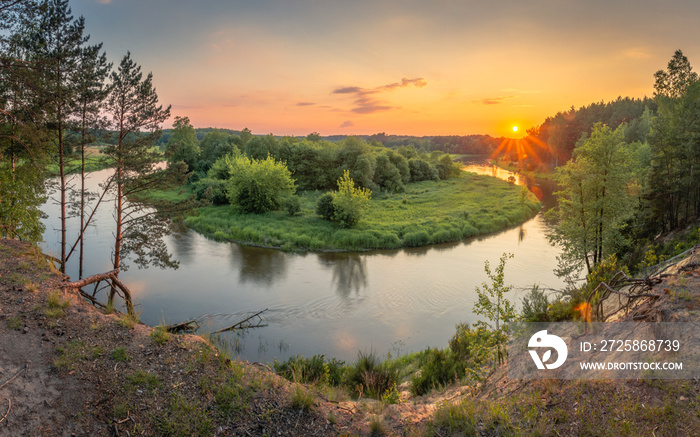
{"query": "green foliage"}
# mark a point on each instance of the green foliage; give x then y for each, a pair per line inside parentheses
(292, 205)
(160, 335)
(535, 306)
(369, 376)
(182, 145)
(349, 203)
(312, 370)
(444, 211)
(302, 399)
(119, 354)
(494, 306)
(593, 204)
(258, 186)
(438, 368)
(210, 189)
(472, 346)
(324, 206)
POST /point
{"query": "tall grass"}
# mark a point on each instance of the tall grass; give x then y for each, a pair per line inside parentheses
(426, 213)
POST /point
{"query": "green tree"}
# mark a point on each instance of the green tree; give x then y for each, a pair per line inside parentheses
(59, 47)
(23, 149)
(91, 92)
(215, 144)
(136, 118)
(258, 186)
(349, 203)
(493, 305)
(182, 144)
(593, 203)
(387, 175)
(674, 190)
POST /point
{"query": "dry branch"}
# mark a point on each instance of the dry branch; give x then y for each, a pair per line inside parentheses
(242, 325)
(190, 325)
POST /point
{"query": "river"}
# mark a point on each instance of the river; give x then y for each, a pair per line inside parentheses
(335, 304)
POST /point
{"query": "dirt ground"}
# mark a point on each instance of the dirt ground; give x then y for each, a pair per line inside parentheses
(67, 369)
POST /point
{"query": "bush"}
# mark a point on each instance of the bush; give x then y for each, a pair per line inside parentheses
(370, 377)
(257, 186)
(324, 206)
(349, 203)
(312, 370)
(292, 205)
(438, 369)
(535, 306)
(211, 189)
(471, 345)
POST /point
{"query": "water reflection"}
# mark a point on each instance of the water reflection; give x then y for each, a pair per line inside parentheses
(182, 243)
(349, 272)
(258, 265)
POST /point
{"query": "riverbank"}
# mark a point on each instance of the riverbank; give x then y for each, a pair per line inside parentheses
(68, 369)
(426, 213)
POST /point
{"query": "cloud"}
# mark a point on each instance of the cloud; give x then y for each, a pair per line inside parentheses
(104, 2)
(366, 100)
(347, 123)
(493, 100)
(305, 104)
(637, 53)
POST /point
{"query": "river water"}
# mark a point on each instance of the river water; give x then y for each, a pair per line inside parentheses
(335, 304)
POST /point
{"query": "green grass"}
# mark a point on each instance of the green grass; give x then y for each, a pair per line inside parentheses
(74, 352)
(55, 304)
(427, 213)
(160, 335)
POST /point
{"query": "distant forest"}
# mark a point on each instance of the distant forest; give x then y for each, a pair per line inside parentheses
(557, 135)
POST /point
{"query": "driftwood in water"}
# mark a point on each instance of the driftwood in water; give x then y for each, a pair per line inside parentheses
(243, 323)
(190, 325)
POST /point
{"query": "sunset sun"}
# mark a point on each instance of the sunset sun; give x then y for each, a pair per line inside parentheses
(515, 128)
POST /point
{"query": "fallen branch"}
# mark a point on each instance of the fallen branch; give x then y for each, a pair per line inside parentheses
(241, 324)
(190, 325)
(91, 279)
(9, 406)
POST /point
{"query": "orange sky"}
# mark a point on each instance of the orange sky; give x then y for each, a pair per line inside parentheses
(413, 67)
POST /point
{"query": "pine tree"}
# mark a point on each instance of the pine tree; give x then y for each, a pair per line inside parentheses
(136, 118)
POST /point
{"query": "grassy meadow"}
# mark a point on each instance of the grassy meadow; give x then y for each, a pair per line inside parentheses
(427, 212)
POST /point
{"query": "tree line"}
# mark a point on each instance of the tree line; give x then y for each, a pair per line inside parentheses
(313, 163)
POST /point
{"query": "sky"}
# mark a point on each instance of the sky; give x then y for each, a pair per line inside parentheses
(403, 67)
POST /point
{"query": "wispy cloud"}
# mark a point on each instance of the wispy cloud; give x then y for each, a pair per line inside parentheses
(104, 2)
(493, 100)
(305, 104)
(347, 123)
(637, 53)
(366, 99)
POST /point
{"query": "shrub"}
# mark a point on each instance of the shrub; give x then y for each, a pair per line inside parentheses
(257, 186)
(311, 370)
(349, 203)
(369, 376)
(535, 306)
(438, 369)
(324, 206)
(292, 205)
